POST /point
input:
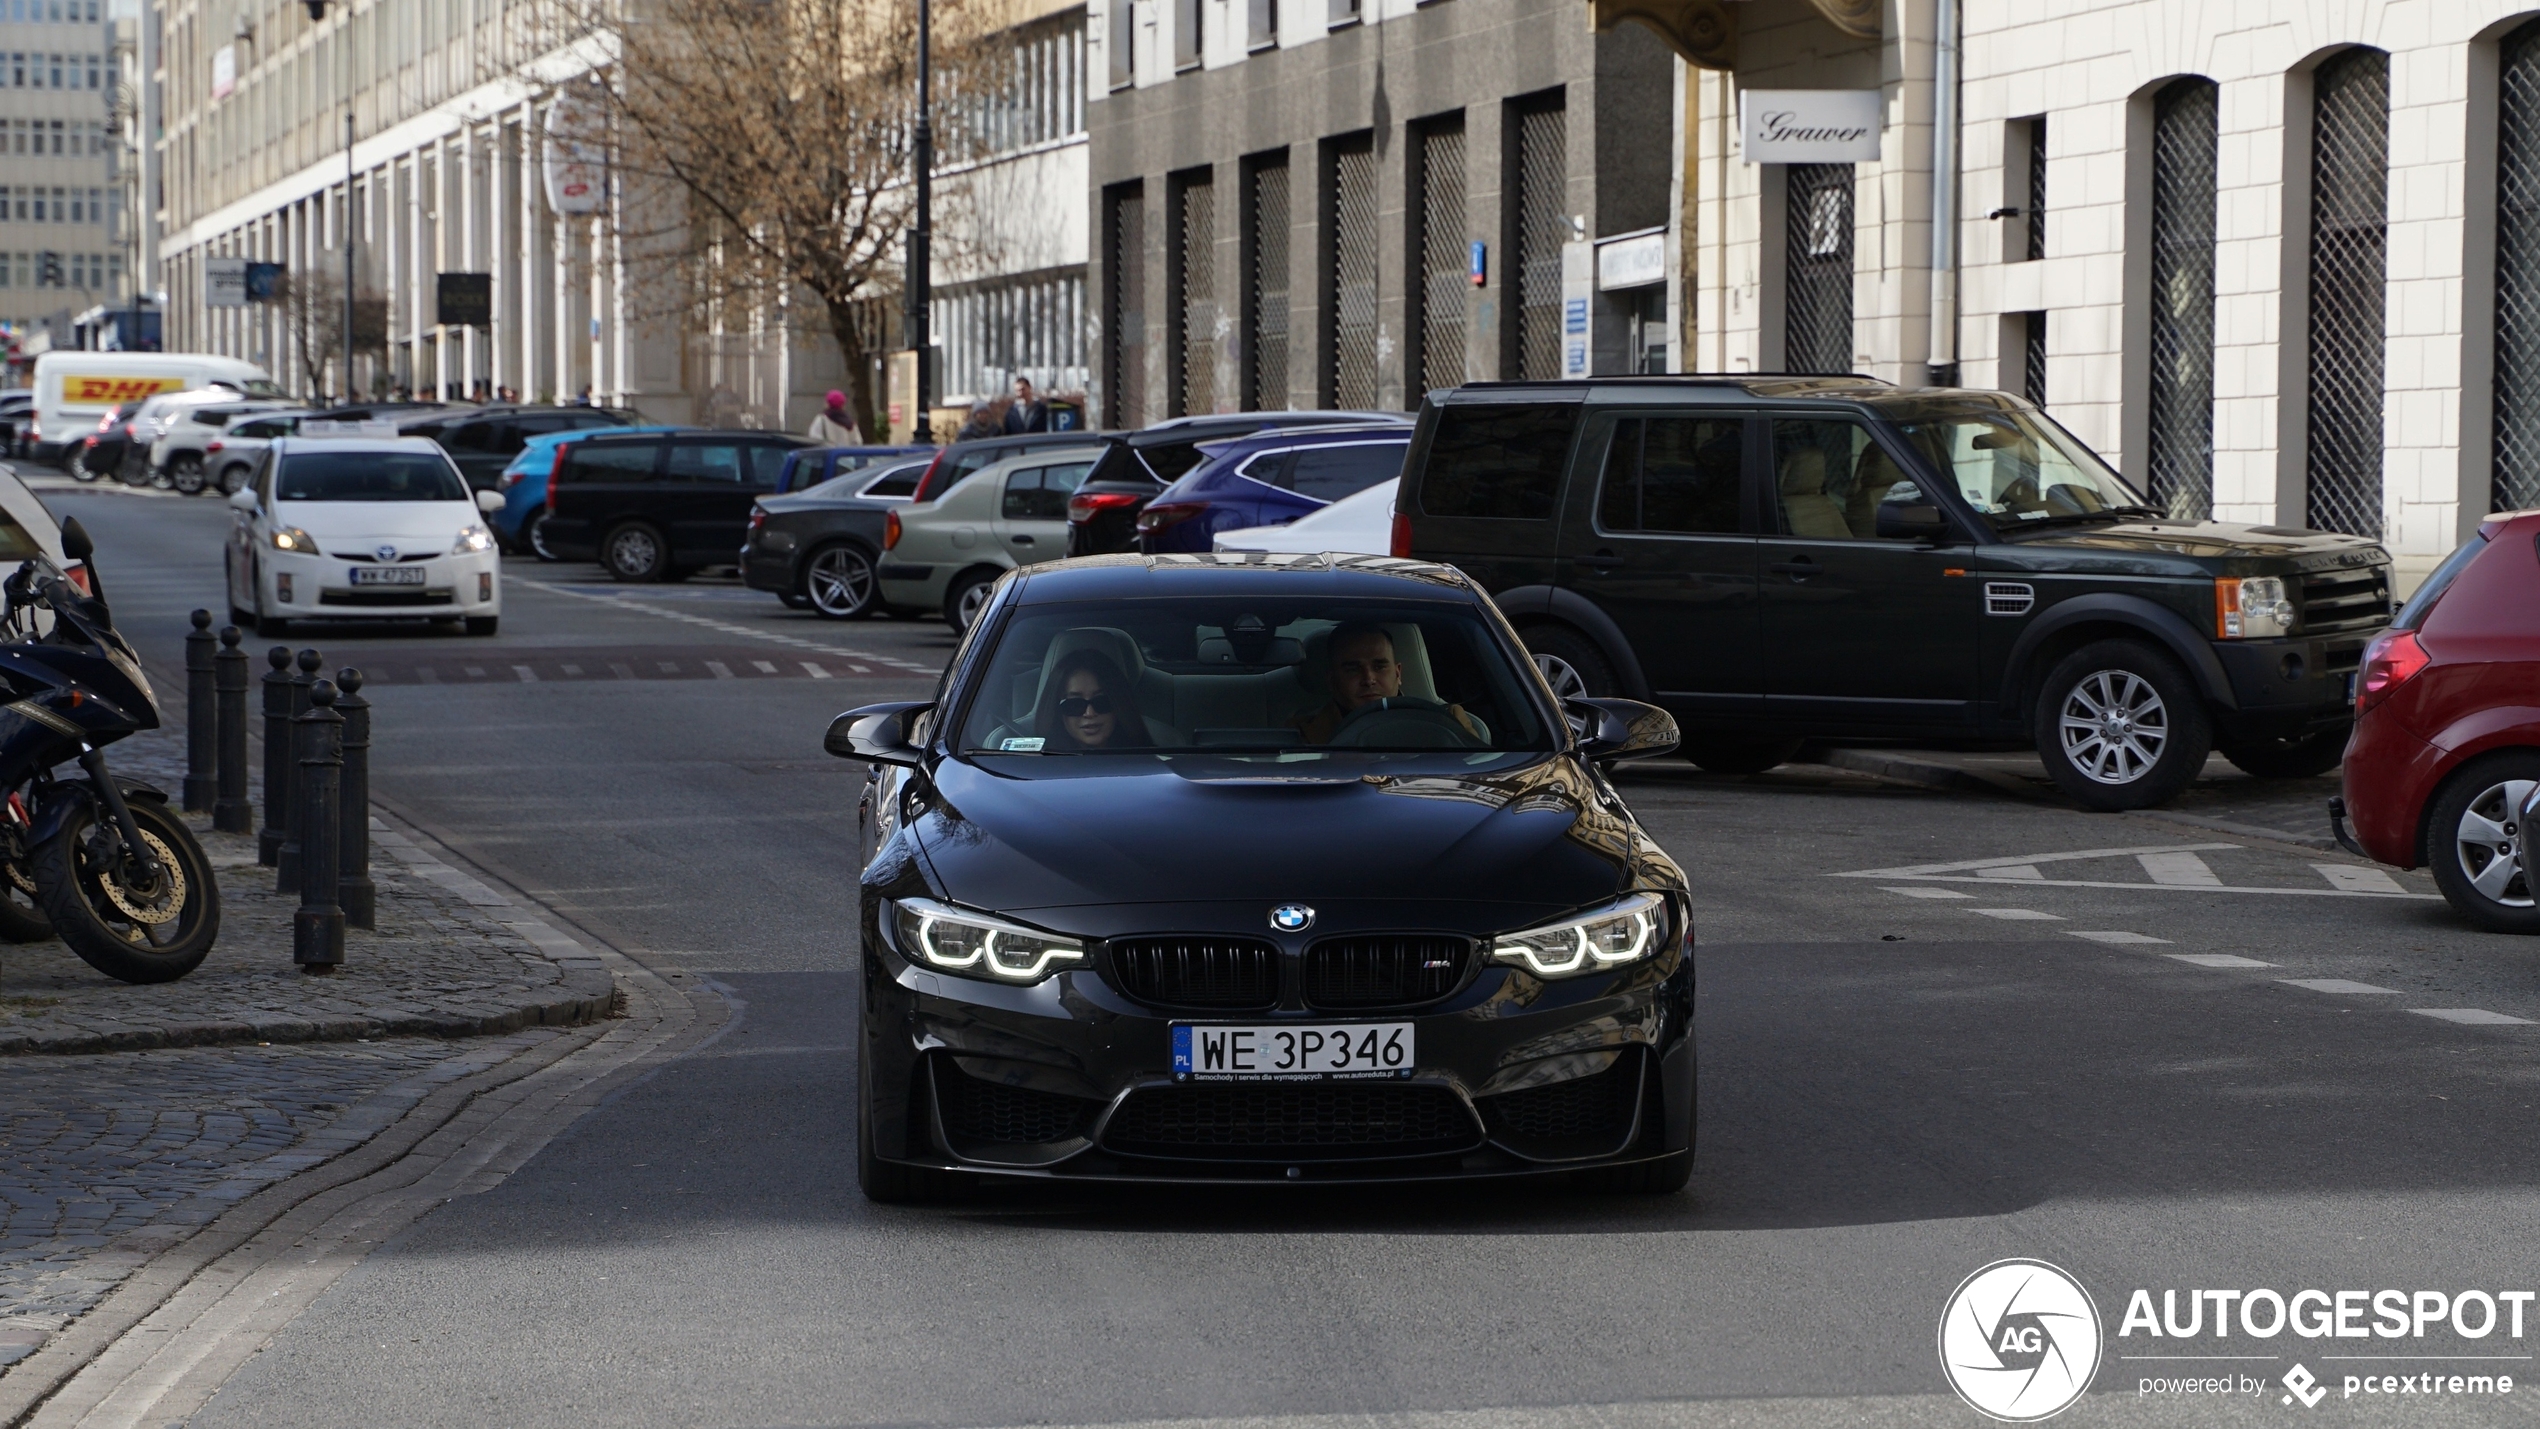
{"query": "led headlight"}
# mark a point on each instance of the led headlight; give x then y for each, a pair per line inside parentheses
(1621, 932)
(292, 538)
(473, 539)
(2251, 608)
(957, 940)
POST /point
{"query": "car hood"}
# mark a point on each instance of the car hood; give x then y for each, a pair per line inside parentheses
(1202, 843)
(2211, 540)
(413, 525)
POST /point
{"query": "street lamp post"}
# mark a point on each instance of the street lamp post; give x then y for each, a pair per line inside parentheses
(920, 271)
(317, 15)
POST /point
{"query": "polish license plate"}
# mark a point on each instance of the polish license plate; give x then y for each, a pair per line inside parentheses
(1333, 1052)
(387, 575)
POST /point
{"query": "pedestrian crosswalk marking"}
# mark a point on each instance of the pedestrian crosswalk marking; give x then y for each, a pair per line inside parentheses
(527, 675)
(2339, 984)
(2472, 1016)
(764, 667)
(2218, 960)
(2358, 880)
(2113, 935)
(818, 673)
(2024, 871)
(718, 669)
(2173, 868)
(2180, 870)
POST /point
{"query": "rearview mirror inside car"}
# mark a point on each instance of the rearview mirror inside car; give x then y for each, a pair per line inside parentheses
(878, 734)
(1623, 729)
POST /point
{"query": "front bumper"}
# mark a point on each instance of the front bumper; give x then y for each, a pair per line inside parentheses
(306, 586)
(1071, 1079)
(2291, 686)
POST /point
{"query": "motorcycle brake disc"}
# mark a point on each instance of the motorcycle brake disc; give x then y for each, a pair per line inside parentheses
(18, 877)
(171, 900)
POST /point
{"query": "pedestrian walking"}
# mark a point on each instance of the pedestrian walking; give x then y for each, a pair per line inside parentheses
(1028, 412)
(834, 425)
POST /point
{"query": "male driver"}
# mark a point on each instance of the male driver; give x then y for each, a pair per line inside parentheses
(1362, 670)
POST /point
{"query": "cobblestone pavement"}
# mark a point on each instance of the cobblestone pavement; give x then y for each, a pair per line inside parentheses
(107, 1161)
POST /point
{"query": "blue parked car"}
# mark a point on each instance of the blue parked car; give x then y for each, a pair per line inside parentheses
(524, 487)
(811, 466)
(1268, 479)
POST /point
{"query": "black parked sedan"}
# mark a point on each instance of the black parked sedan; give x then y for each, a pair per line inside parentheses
(817, 548)
(1276, 870)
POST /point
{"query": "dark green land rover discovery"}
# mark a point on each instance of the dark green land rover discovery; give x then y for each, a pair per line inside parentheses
(1787, 557)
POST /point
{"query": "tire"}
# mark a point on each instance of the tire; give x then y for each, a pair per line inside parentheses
(232, 477)
(533, 535)
(244, 620)
(839, 583)
(2152, 740)
(484, 624)
(794, 600)
(186, 474)
(635, 552)
(962, 603)
(2302, 757)
(111, 936)
(2468, 821)
(1571, 663)
(1739, 754)
(272, 627)
(22, 917)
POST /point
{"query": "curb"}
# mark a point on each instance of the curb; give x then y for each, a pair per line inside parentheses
(588, 993)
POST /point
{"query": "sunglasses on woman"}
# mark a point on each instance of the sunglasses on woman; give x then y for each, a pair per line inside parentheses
(1078, 706)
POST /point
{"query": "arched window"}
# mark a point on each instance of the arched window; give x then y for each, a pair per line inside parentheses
(2350, 208)
(1817, 276)
(2517, 476)
(2184, 141)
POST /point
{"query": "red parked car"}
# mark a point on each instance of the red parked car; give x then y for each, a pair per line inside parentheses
(2444, 766)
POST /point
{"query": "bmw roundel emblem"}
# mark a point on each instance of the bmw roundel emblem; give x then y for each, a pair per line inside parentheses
(1291, 917)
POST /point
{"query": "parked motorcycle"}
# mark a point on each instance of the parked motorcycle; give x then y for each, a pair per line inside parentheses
(100, 862)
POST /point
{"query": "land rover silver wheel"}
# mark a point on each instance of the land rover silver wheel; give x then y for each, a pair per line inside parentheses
(2119, 726)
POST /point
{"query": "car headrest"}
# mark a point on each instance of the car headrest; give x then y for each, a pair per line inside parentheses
(1114, 645)
(1408, 648)
(1804, 473)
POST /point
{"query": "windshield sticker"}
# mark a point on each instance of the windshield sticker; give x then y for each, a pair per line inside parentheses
(1031, 745)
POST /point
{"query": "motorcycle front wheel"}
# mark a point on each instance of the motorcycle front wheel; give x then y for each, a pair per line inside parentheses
(123, 923)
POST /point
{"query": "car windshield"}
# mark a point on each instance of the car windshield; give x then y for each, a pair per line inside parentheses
(1250, 676)
(368, 476)
(2012, 465)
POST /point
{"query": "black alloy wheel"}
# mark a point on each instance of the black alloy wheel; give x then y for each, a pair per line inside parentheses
(132, 925)
(839, 582)
(2120, 726)
(2300, 757)
(2476, 845)
(636, 552)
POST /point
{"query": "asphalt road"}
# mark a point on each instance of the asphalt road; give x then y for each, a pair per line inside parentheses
(1937, 1030)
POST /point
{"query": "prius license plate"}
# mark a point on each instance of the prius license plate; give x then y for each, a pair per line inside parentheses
(387, 575)
(1346, 1051)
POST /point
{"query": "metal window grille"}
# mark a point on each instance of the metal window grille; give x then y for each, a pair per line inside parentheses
(2033, 357)
(1443, 260)
(2037, 188)
(1195, 297)
(1817, 279)
(1266, 336)
(2517, 473)
(2350, 193)
(2185, 145)
(1352, 204)
(1127, 330)
(1543, 225)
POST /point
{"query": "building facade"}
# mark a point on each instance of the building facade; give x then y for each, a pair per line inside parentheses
(64, 233)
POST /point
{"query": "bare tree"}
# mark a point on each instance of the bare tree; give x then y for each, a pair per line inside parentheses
(763, 148)
(313, 310)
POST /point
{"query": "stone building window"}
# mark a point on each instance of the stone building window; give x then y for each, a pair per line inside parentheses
(1349, 203)
(1265, 263)
(2181, 426)
(2517, 472)
(1192, 280)
(1125, 325)
(2350, 206)
(1443, 259)
(1817, 276)
(1542, 224)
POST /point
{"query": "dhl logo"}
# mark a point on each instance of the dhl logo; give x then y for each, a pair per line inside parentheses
(78, 391)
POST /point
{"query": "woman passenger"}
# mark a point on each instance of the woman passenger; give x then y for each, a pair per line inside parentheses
(1087, 704)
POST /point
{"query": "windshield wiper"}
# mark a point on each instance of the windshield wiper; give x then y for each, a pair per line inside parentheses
(2105, 513)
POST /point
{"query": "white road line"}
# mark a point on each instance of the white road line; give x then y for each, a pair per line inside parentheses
(2019, 914)
(764, 667)
(527, 675)
(2352, 879)
(2137, 887)
(573, 672)
(729, 628)
(474, 672)
(2179, 870)
(621, 669)
(2218, 960)
(1920, 870)
(426, 675)
(1930, 892)
(2473, 1016)
(812, 669)
(718, 669)
(2021, 871)
(668, 667)
(2115, 936)
(2338, 984)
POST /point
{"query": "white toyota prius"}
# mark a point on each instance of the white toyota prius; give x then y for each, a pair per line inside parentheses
(362, 528)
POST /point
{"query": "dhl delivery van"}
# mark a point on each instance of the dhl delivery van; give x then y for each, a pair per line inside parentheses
(75, 390)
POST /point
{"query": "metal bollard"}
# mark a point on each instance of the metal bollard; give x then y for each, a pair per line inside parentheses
(231, 813)
(286, 863)
(199, 717)
(277, 754)
(317, 930)
(354, 891)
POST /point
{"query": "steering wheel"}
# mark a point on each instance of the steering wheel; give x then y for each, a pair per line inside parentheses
(1404, 721)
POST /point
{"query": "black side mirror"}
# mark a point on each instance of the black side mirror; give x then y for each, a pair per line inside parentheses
(1623, 729)
(877, 734)
(75, 542)
(1902, 521)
